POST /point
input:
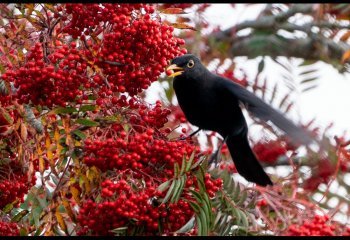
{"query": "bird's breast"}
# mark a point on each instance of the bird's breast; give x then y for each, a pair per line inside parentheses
(205, 107)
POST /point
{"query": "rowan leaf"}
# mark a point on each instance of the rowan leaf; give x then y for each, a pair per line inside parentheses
(24, 132)
(165, 185)
(87, 122)
(19, 216)
(61, 110)
(179, 189)
(76, 193)
(173, 11)
(86, 108)
(182, 26)
(187, 227)
(79, 133)
(68, 209)
(60, 220)
(169, 192)
(345, 57)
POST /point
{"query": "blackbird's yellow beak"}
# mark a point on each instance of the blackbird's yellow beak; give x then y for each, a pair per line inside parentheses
(176, 70)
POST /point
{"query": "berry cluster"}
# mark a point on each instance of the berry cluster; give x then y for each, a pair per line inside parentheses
(269, 151)
(9, 229)
(154, 117)
(15, 185)
(85, 18)
(177, 114)
(123, 206)
(141, 51)
(135, 49)
(42, 83)
(318, 227)
(136, 151)
(322, 174)
(230, 167)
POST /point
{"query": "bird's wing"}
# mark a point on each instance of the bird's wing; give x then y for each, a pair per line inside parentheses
(262, 110)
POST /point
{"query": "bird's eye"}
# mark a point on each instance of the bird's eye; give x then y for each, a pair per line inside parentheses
(190, 64)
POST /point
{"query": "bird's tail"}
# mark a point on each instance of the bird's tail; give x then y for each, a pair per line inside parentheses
(245, 160)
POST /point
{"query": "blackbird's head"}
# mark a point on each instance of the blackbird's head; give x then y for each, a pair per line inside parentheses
(185, 65)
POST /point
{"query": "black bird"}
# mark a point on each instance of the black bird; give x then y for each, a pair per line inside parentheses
(211, 102)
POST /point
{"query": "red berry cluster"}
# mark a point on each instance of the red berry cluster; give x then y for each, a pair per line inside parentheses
(318, 227)
(154, 117)
(321, 175)
(122, 206)
(136, 151)
(269, 151)
(143, 49)
(230, 167)
(9, 229)
(177, 115)
(15, 185)
(42, 83)
(85, 18)
(138, 45)
(211, 185)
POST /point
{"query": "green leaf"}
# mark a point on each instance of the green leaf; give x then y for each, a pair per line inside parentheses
(6, 115)
(244, 219)
(243, 197)
(170, 191)
(226, 230)
(196, 195)
(23, 232)
(207, 207)
(19, 216)
(199, 226)
(87, 122)
(217, 219)
(179, 189)
(176, 169)
(176, 189)
(235, 214)
(187, 227)
(183, 164)
(204, 220)
(86, 108)
(189, 162)
(236, 192)
(120, 231)
(162, 187)
(8, 207)
(194, 206)
(79, 133)
(60, 110)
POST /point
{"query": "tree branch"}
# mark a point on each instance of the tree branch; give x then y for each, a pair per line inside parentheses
(268, 42)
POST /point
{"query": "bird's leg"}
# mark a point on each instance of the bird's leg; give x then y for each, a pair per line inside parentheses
(215, 156)
(191, 135)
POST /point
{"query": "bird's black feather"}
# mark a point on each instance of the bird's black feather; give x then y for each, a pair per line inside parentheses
(212, 102)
